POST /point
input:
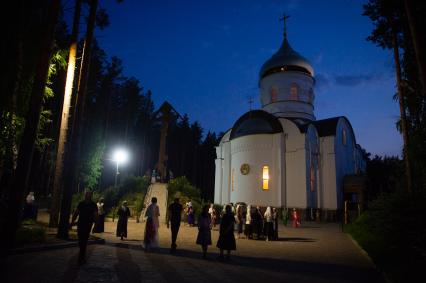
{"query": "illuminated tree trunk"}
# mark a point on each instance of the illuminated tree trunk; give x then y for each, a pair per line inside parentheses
(404, 126)
(26, 148)
(73, 151)
(57, 182)
(418, 42)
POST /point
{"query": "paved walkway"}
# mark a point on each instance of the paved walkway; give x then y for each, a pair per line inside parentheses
(313, 253)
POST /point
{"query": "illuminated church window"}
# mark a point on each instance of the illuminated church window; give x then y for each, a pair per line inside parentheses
(265, 178)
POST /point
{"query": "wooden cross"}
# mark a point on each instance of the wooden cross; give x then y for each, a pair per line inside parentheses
(284, 19)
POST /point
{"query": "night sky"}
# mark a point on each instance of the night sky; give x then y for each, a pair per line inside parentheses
(204, 57)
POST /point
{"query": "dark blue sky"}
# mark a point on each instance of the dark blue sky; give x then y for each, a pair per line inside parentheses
(204, 57)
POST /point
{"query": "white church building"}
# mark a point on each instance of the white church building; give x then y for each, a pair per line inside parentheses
(280, 155)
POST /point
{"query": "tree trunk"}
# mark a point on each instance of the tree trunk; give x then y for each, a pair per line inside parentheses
(418, 41)
(404, 126)
(26, 149)
(63, 130)
(73, 151)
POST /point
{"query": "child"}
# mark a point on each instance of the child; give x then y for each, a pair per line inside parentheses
(296, 218)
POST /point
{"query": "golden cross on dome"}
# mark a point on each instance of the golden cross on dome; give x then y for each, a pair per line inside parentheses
(284, 19)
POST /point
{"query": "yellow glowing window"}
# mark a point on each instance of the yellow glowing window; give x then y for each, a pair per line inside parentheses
(265, 178)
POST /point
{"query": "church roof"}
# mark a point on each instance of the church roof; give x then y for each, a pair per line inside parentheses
(286, 59)
(327, 127)
(256, 122)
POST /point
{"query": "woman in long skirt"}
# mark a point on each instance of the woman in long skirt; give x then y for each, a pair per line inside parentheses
(275, 219)
(123, 215)
(100, 222)
(151, 238)
(226, 233)
(248, 231)
(204, 237)
(268, 224)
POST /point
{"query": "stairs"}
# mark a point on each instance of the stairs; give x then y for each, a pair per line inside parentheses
(158, 190)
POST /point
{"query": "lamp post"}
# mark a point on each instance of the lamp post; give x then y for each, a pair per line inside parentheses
(120, 156)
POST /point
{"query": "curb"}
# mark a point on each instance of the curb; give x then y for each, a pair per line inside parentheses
(47, 247)
(365, 254)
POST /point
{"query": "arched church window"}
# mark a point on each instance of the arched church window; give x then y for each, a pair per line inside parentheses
(344, 137)
(294, 91)
(274, 93)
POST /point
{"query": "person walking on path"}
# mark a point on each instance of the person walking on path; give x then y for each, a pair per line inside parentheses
(204, 237)
(87, 213)
(123, 216)
(151, 238)
(296, 218)
(226, 233)
(99, 224)
(268, 224)
(174, 218)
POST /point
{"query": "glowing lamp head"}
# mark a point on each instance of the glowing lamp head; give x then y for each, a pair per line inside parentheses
(120, 156)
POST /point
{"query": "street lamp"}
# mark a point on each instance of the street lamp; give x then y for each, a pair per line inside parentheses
(119, 156)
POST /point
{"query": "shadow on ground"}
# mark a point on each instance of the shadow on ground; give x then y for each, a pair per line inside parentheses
(330, 272)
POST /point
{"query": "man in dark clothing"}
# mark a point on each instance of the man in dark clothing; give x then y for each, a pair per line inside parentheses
(87, 213)
(174, 218)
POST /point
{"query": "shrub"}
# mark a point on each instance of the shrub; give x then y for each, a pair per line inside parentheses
(30, 234)
(393, 232)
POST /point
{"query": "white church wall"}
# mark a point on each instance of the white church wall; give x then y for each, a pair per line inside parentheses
(226, 175)
(256, 151)
(328, 172)
(295, 169)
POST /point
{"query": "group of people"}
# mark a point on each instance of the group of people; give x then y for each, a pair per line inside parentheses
(250, 220)
(257, 225)
(206, 221)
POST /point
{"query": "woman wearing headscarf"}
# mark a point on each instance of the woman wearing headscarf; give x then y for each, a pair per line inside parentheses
(99, 224)
(123, 215)
(268, 224)
(240, 220)
(226, 233)
(151, 239)
(249, 227)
